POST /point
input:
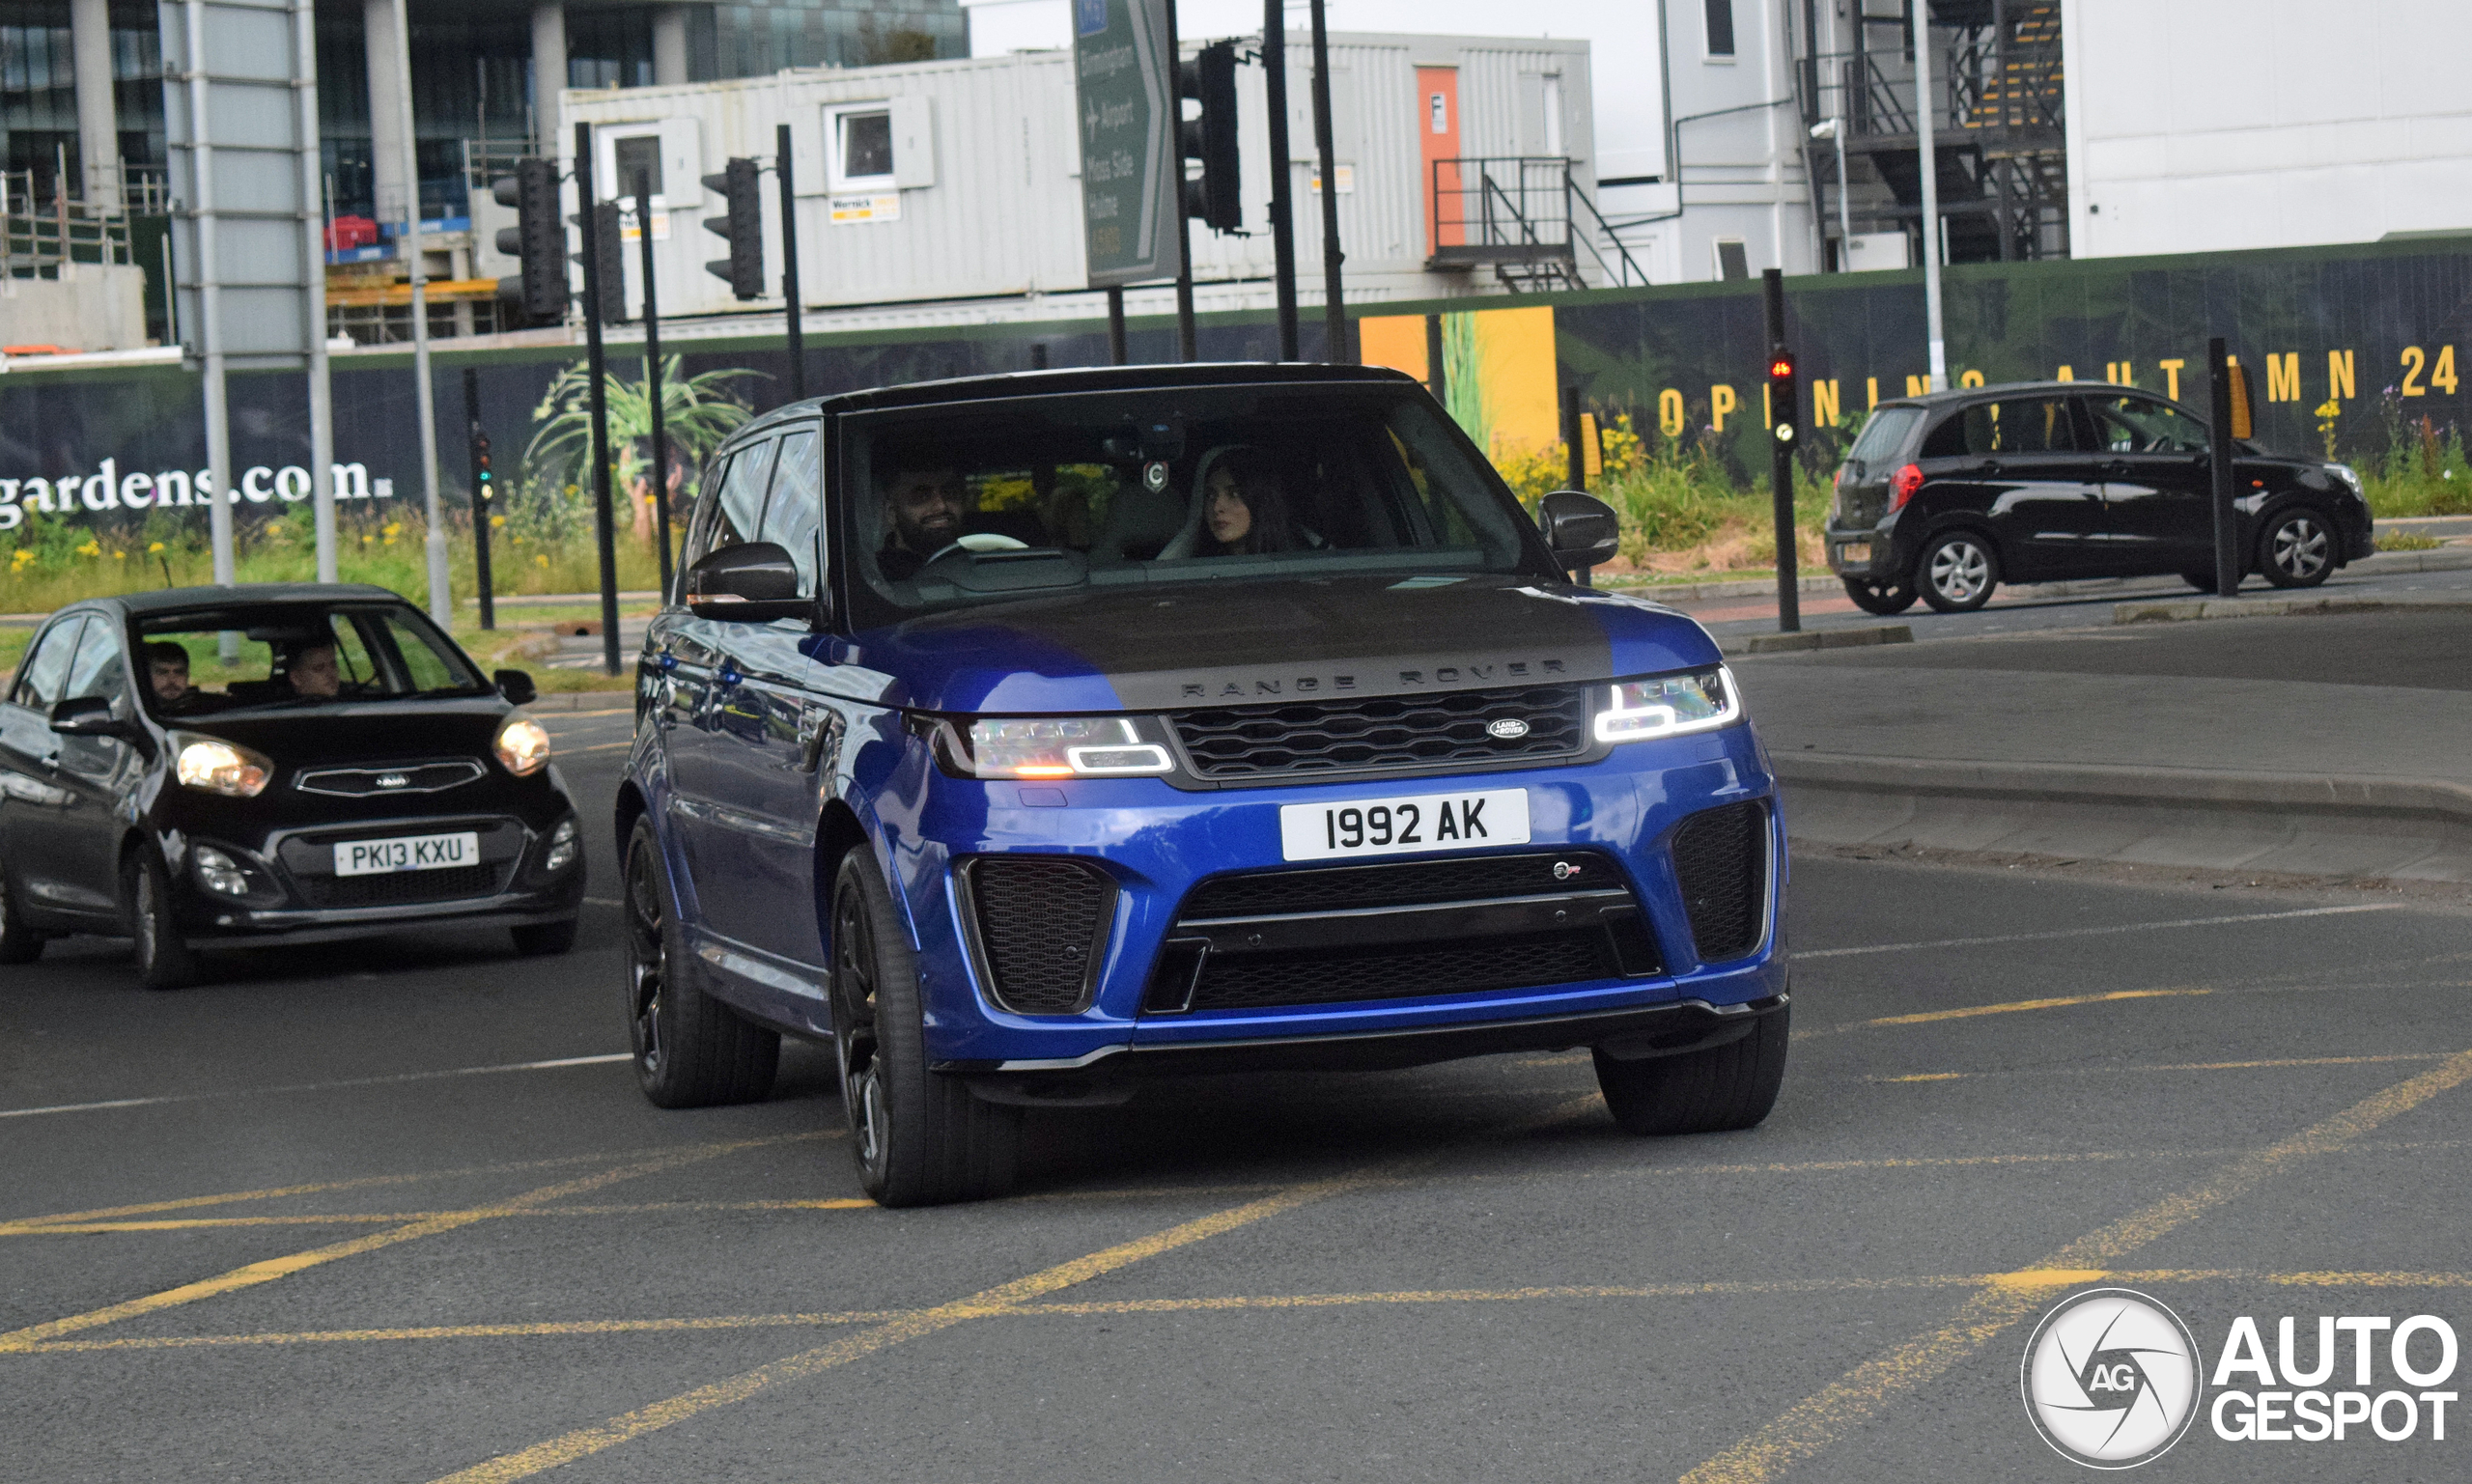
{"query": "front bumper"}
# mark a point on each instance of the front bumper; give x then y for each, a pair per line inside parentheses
(292, 901)
(1154, 845)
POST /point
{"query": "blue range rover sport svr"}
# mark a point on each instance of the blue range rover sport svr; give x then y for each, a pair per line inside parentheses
(1029, 737)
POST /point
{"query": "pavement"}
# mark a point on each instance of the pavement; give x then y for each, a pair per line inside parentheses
(2317, 733)
(395, 1211)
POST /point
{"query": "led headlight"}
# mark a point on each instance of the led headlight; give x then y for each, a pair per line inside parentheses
(1057, 748)
(1668, 706)
(522, 746)
(218, 767)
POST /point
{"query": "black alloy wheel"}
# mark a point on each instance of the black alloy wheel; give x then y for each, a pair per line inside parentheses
(1956, 572)
(1885, 599)
(690, 1050)
(18, 943)
(163, 961)
(920, 1139)
(2297, 549)
(1714, 1090)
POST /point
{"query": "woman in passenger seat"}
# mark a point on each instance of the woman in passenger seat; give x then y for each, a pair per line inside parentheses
(1240, 508)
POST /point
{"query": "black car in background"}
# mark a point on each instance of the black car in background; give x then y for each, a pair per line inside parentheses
(213, 768)
(1946, 496)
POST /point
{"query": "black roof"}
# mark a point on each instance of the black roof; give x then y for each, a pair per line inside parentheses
(1085, 378)
(175, 599)
(1957, 396)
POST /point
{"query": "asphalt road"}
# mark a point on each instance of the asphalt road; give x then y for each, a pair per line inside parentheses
(396, 1212)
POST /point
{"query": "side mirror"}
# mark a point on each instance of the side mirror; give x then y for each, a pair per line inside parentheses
(516, 686)
(89, 717)
(1581, 530)
(754, 582)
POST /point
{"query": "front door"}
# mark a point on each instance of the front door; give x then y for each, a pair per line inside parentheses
(2023, 463)
(2158, 510)
(68, 843)
(32, 797)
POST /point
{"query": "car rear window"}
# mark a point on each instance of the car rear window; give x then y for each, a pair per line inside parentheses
(1884, 434)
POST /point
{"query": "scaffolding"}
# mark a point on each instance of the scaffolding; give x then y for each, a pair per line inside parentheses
(1999, 125)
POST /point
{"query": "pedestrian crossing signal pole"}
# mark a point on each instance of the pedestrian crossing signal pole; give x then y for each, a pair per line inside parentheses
(600, 264)
(483, 490)
(1784, 430)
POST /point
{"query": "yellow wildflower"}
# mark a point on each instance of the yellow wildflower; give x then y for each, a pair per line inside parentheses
(153, 546)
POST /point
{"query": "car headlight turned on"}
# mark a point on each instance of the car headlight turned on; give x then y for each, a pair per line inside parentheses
(1054, 747)
(1668, 706)
(213, 766)
(522, 746)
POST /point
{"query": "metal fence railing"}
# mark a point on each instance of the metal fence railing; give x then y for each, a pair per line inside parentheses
(1526, 211)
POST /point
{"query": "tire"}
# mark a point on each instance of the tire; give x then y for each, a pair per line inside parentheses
(920, 1139)
(535, 939)
(1956, 572)
(690, 1050)
(2298, 548)
(1712, 1091)
(18, 943)
(163, 961)
(2203, 581)
(1885, 599)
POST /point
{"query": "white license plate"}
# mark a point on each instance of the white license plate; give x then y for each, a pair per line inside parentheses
(1394, 827)
(1859, 551)
(407, 852)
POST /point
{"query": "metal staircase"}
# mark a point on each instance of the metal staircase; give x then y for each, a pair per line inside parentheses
(1528, 220)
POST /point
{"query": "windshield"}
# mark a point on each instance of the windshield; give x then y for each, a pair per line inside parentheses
(988, 501)
(296, 654)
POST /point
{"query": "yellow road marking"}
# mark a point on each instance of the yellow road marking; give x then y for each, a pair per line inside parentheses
(587, 1440)
(267, 1271)
(319, 1188)
(2012, 1007)
(2177, 1066)
(1003, 1299)
(1862, 1393)
(2038, 1280)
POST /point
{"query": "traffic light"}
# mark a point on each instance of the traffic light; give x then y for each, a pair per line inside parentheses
(1215, 198)
(535, 241)
(604, 271)
(484, 484)
(741, 226)
(1783, 420)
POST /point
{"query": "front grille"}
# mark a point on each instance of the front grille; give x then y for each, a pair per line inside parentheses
(399, 886)
(1042, 925)
(1379, 732)
(1387, 931)
(432, 777)
(1721, 857)
(1252, 982)
(1336, 888)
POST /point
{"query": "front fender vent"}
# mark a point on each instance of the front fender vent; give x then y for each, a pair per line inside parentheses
(1040, 925)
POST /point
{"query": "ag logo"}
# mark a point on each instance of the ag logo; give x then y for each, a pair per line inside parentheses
(2111, 1378)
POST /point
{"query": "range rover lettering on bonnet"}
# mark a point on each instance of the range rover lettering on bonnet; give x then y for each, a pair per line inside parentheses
(1491, 673)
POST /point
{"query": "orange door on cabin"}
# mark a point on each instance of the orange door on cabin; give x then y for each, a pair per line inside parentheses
(1447, 210)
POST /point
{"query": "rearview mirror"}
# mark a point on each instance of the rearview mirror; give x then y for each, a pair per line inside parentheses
(752, 583)
(516, 686)
(1580, 529)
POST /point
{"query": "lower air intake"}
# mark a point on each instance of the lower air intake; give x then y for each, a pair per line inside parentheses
(1721, 857)
(1041, 927)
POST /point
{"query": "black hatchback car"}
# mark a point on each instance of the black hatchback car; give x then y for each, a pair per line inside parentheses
(213, 768)
(1946, 496)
